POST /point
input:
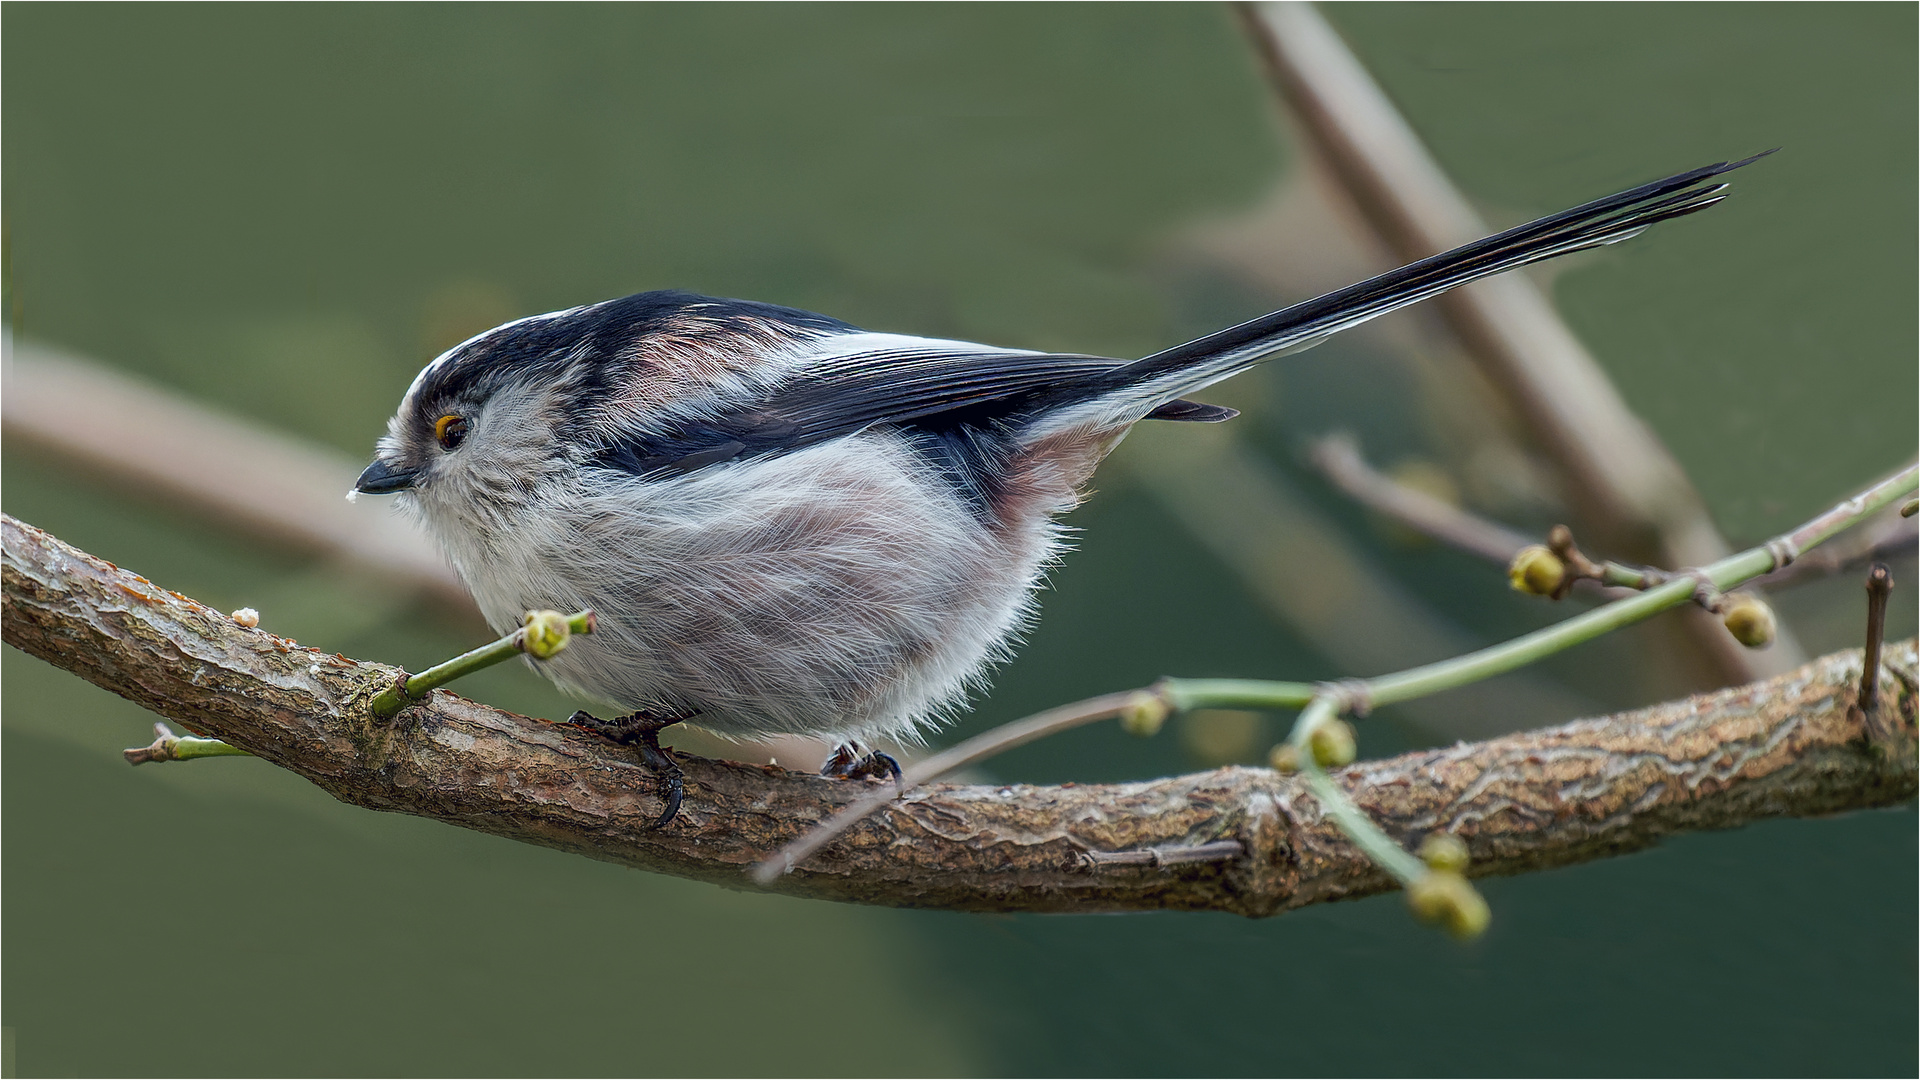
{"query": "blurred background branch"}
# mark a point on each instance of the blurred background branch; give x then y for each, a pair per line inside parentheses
(234, 474)
(1625, 488)
(1339, 458)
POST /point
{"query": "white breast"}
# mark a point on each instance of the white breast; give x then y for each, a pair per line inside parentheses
(837, 591)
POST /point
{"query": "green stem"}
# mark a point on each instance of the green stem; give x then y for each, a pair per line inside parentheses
(394, 698)
(189, 746)
(1499, 659)
(1626, 577)
(1186, 694)
(1326, 704)
(167, 746)
(1366, 836)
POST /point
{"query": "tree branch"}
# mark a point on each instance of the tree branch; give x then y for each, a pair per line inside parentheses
(1524, 802)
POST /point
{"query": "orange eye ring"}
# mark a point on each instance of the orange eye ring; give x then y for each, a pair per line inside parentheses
(450, 430)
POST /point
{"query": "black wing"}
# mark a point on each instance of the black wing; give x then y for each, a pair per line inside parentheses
(932, 387)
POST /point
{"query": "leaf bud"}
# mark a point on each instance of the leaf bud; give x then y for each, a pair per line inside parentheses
(1444, 851)
(543, 633)
(1143, 714)
(1332, 744)
(1284, 758)
(1443, 898)
(1749, 620)
(1537, 570)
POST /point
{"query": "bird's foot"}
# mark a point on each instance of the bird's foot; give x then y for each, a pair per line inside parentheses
(851, 761)
(643, 729)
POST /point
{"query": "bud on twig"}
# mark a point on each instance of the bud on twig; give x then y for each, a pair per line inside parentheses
(1444, 851)
(1536, 570)
(543, 633)
(1333, 744)
(1284, 758)
(1443, 898)
(1143, 714)
(1749, 620)
(170, 747)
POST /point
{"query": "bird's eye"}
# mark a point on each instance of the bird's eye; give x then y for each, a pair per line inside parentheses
(451, 430)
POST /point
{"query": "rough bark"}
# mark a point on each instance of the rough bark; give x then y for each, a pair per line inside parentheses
(1524, 802)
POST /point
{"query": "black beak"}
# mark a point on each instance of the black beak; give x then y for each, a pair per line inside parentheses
(383, 479)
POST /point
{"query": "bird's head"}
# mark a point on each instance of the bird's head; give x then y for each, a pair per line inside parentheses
(492, 419)
(487, 421)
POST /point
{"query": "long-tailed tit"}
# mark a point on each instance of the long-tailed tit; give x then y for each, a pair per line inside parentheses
(790, 525)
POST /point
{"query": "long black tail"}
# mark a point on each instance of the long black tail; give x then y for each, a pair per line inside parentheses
(1183, 369)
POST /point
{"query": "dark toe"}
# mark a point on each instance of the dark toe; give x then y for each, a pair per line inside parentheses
(847, 763)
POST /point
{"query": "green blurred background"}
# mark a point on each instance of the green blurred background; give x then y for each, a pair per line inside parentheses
(285, 210)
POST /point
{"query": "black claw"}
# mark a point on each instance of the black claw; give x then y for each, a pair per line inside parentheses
(643, 729)
(848, 763)
(661, 761)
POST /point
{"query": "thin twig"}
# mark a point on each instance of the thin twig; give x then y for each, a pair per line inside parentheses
(1167, 856)
(979, 748)
(1886, 536)
(1338, 457)
(1184, 694)
(1296, 562)
(405, 691)
(1617, 579)
(1508, 655)
(1879, 587)
(170, 747)
(1366, 836)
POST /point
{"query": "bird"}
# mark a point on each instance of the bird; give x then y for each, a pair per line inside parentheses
(790, 525)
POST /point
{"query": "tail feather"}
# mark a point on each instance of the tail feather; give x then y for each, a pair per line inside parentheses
(1145, 383)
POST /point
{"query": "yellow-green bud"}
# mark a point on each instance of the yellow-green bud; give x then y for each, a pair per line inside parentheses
(1332, 744)
(1444, 851)
(544, 633)
(1143, 714)
(1749, 620)
(1536, 570)
(1443, 898)
(1284, 758)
